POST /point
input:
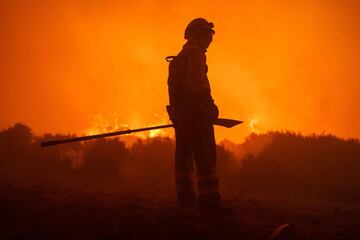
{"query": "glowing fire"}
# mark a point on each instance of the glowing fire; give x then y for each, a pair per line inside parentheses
(103, 125)
(253, 125)
(100, 124)
(156, 133)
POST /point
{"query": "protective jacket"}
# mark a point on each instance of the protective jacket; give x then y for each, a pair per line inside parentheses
(188, 82)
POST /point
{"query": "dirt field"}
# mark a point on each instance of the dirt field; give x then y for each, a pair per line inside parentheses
(35, 213)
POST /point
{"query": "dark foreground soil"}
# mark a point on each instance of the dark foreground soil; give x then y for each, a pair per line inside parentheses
(35, 213)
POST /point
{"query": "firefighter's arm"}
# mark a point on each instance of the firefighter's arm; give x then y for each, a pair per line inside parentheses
(196, 78)
(198, 83)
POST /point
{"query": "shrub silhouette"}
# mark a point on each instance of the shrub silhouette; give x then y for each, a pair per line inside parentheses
(15, 143)
(154, 162)
(317, 166)
(102, 160)
(321, 166)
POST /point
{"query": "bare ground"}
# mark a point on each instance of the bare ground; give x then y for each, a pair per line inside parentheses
(36, 213)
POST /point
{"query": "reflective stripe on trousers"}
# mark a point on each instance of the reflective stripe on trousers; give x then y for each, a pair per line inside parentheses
(208, 184)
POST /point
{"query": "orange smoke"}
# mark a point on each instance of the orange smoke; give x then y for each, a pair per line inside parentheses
(274, 65)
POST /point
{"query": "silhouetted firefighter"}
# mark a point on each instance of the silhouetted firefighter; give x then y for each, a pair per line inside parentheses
(193, 112)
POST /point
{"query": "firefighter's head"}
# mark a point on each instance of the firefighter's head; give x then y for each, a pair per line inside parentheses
(200, 30)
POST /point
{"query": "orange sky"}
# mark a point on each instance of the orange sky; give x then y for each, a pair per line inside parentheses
(67, 66)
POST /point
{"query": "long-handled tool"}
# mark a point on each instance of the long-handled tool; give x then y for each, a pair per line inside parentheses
(228, 123)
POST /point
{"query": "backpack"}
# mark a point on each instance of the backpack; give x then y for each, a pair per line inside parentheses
(177, 88)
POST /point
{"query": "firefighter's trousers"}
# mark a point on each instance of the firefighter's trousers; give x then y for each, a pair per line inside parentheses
(195, 143)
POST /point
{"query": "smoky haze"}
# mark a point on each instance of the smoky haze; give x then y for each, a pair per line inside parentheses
(276, 66)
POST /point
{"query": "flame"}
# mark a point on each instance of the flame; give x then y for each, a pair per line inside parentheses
(253, 125)
(156, 133)
(101, 124)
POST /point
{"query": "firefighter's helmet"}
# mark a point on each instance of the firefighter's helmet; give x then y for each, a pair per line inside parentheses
(198, 26)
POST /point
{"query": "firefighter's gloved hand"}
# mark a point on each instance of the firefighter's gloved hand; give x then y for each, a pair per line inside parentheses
(211, 111)
(206, 106)
(214, 112)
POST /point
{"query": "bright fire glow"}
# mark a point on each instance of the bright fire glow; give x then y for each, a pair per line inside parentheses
(295, 62)
(155, 133)
(100, 124)
(253, 125)
(103, 125)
